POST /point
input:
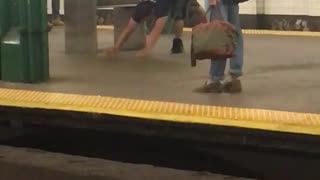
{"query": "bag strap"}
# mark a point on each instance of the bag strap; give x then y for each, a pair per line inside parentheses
(216, 13)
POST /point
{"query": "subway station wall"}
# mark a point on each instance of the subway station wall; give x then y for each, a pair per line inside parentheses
(49, 7)
(281, 15)
(266, 14)
(268, 7)
(283, 7)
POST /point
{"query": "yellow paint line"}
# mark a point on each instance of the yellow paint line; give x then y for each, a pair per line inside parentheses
(280, 121)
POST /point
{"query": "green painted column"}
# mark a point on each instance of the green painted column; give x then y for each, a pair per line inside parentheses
(24, 52)
(3, 22)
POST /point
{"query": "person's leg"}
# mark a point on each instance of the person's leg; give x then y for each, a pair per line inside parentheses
(55, 8)
(177, 44)
(178, 28)
(236, 63)
(178, 10)
(49, 24)
(56, 13)
(217, 66)
(233, 85)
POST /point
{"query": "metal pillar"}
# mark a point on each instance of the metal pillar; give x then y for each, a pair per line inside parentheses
(80, 26)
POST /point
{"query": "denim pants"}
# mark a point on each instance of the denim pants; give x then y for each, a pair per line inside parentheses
(56, 8)
(230, 13)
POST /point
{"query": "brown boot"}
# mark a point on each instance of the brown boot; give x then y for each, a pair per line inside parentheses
(210, 87)
(232, 86)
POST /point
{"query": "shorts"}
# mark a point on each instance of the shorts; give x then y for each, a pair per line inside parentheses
(145, 9)
(179, 8)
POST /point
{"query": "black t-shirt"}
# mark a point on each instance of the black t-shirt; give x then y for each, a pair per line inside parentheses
(158, 8)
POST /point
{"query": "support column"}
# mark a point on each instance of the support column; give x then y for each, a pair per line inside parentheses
(80, 26)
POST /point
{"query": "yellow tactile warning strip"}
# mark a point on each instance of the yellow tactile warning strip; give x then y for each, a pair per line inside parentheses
(166, 111)
(255, 32)
(281, 33)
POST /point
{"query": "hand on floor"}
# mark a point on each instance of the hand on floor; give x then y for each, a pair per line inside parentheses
(143, 53)
(112, 52)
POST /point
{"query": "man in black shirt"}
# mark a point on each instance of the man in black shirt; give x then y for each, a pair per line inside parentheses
(146, 8)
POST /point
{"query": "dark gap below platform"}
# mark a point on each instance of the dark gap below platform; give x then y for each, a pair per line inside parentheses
(172, 153)
(127, 148)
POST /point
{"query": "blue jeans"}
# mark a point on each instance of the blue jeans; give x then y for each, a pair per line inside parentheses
(230, 13)
(55, 8)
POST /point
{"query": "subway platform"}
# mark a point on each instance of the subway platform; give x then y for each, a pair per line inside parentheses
(278, 108)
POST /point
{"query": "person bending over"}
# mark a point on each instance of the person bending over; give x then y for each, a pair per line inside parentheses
(143, 10)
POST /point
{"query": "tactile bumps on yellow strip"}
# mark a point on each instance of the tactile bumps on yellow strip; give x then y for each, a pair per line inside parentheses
(165, 111)
(281, 33)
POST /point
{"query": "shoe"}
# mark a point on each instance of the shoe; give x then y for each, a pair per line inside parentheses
(210, 87)
(49, 26)
(177, 46)
(232, 86)
(58, 22)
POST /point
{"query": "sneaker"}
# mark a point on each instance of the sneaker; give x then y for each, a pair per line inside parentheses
(210, 87)
(49, 26)
(58, 22)
(232, 86)
(177, 46)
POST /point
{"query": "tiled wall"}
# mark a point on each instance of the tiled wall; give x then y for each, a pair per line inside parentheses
(274, 7)
(314, 7)
(282, 7)
(249, 7)
(61, 6)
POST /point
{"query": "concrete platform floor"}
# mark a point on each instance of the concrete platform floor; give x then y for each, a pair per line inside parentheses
(281, 73)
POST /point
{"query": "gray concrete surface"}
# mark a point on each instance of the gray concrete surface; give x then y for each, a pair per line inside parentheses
(280, 73)
(31, 164)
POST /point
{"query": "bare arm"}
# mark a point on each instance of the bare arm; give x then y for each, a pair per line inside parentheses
(156, 32)
(125, 34)
(154, 36)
